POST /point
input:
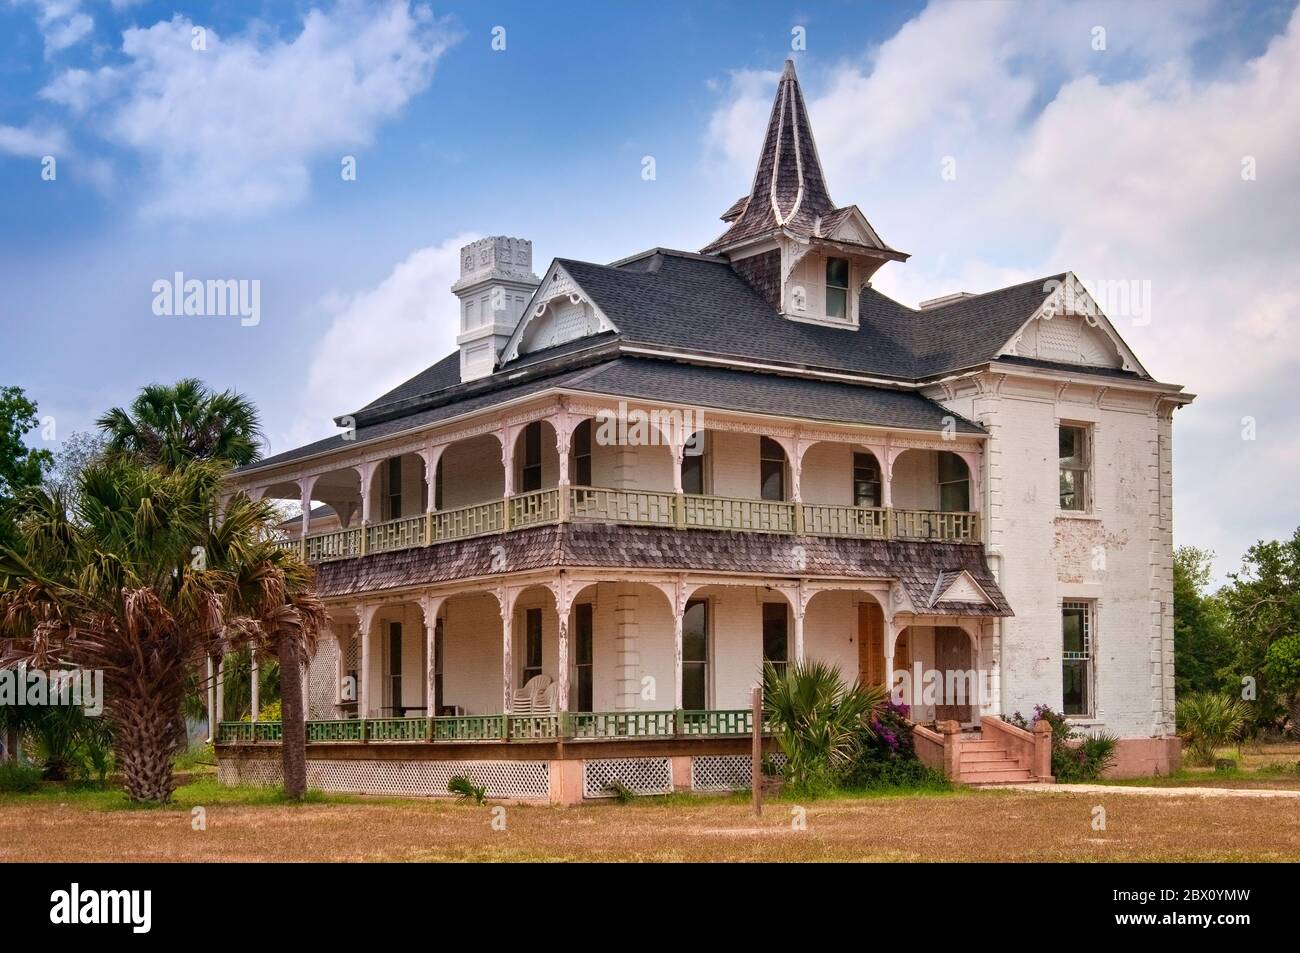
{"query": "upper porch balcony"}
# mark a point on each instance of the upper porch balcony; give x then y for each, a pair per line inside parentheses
(557, 463)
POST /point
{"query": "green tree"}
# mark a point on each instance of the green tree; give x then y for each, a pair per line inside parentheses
(141, 582)
(169, 424)
(1202, 648)
(1262, 606)
(20, 465)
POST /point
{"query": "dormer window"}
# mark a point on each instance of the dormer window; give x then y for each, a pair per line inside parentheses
(837, 288)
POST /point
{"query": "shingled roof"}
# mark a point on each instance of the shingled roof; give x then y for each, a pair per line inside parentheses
(599, 546)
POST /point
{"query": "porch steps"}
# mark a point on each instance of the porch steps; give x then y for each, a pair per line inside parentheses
(985, 761)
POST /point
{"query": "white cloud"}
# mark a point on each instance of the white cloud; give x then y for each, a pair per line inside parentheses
(1122, 164)
(61, 23)
(383, 335)
(230, 130)
(32, 141)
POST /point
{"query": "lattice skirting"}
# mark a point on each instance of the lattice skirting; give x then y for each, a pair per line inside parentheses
(638, 775)
(322, 679)
(725, 772)
(523, 780)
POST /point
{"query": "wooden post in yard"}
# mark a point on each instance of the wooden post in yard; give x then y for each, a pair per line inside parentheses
(756, 768)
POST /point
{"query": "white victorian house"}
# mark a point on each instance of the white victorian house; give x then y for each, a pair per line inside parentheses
(560, 555)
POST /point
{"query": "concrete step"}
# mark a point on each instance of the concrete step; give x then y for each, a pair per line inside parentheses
(982, 745)
(985, 754)
(983, 767)
(1010, 776)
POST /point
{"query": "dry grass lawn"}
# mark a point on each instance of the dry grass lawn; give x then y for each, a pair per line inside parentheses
(970, 825)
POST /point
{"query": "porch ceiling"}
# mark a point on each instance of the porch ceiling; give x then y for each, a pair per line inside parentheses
(916, 565)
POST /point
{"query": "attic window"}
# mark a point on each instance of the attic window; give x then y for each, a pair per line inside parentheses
(837, 288)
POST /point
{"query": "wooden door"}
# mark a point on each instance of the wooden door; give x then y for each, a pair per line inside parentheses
(871, 644)
(951, 653)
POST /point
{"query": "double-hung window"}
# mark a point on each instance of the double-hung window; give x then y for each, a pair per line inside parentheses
(837, 288)
(532, 644)
(771, 466)
(695, 656)
(530, 476)
(584, 655)
(1076, 658)
(1075, 464)
(393, 478)
(866, 480)
(954, 483)
(776, 639)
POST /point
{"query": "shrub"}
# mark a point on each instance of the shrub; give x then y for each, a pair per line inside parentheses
(269, 712)
(17, 778)
(819, 722)
(1076, 755)
(1207, 722)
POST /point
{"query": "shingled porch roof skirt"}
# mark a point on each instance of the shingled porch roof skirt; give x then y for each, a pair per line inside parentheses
(916, 565)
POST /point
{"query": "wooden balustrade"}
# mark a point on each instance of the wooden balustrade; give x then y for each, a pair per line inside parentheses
(642, 508)
(721, 512)
(535, 508)
(828, 519)
(478, 519)
(339, 544)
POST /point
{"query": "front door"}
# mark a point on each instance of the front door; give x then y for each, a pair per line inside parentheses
(951, 654)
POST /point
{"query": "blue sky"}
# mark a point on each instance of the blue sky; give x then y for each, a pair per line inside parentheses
(1121, 162)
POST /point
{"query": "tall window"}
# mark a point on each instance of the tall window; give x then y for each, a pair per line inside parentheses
(771, 469)
(437, 487)
(695, 656)
(532, 644)
(437, 666)
(530, 477)
(1076, 627)
(954, 483)
(583, 653)
(693, 465)
(837, 288)
(776, 643)
(393, 478)
(395, 669)
(866, 480)
(1074, 467)
(582, 454)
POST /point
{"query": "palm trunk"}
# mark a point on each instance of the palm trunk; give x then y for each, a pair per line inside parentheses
(146, 737)
(293, 742)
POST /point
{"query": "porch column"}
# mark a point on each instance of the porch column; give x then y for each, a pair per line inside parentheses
(220, 704)
(563, 443)
(212, 700)
(679, 611)
(307, 484)
(431, 457)
(506, 603)
(506, 436)
(888, 641)
(798, 629)
(430, 606)
(562, 689)
(367, 473)
(365, 617)
(255, 672)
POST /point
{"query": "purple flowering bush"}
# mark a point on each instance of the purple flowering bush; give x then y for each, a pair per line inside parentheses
(1076, 755)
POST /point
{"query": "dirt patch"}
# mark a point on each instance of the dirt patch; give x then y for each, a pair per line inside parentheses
(979, 825)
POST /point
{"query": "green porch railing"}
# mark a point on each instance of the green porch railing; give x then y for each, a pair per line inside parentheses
(622, 724)
(397, 729)
(726, 721)
(536, 727)
(550, 726)
(469, 727)
(343, 729)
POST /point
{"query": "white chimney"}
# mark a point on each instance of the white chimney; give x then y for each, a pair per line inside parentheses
(496, 281)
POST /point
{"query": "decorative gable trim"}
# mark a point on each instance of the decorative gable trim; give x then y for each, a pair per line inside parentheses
(1069, 298)
(557, 293)
(957, 586)
(851, 227)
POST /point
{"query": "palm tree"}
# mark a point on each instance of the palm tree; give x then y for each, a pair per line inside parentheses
(820, 722)
(170, 424)
(142, 582)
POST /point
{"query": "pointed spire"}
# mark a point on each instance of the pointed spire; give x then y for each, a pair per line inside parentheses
(789, 189)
